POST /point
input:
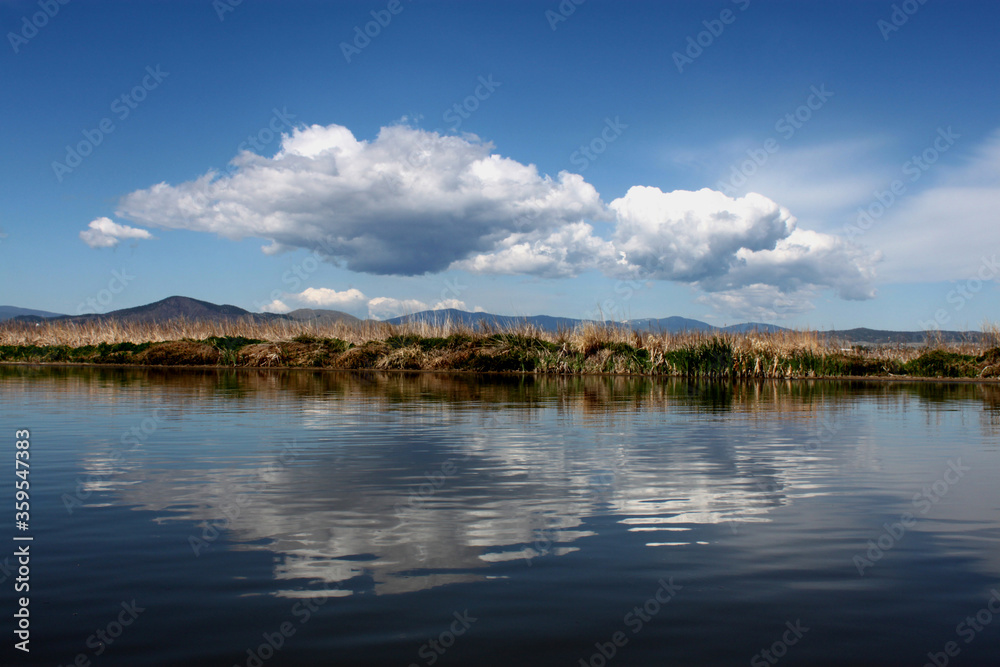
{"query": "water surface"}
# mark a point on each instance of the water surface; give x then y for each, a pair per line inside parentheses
(317, 518)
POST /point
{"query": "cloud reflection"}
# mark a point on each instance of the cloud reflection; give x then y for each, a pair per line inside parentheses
(393, 483)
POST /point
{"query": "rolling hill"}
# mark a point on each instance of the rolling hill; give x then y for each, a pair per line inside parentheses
(677, 325)
(172, 308)
(319, 316)
(10, 312)
(196, 310)
(549, 323)
(176, 307)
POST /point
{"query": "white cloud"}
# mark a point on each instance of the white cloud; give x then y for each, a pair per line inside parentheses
(803, 260)
(813, 181)
(409, 202)
(104, 233)
(383, 307)
(450, 303)
(944, 231)
(560, 254)
(276, 306)
(330, 298)
(412, 202)
(716, 243)
(759, 303)
(690, 236)
(354, 300)
(938, 229)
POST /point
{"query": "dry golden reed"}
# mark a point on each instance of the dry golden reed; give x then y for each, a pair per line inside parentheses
(603, 348)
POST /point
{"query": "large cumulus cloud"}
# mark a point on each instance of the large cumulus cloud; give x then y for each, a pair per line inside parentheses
(688, 236)
(562, 253)
(411, 202)
(738, 249)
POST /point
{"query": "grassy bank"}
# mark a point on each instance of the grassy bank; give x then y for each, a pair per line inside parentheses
(417, 346)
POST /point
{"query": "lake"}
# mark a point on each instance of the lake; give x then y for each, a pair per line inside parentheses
(224, 517)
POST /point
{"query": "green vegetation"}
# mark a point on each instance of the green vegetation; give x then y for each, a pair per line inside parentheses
(102, 353)
(598, 349)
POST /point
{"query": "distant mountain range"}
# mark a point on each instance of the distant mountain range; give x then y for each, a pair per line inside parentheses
(320, 316)
(192, 309)
(10, 312)
(175, 307)
(549, 323)
(675, 325)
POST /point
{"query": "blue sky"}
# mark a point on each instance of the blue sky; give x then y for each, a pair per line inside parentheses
(575, 181)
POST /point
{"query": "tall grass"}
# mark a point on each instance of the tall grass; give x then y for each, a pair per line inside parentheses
(76, 334)
(591, 348)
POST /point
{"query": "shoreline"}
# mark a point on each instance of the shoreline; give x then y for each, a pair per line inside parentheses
(892, 378)
(428, 371)
(525, 350)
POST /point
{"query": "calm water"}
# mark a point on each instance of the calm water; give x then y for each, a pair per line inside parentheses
(456, 520)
